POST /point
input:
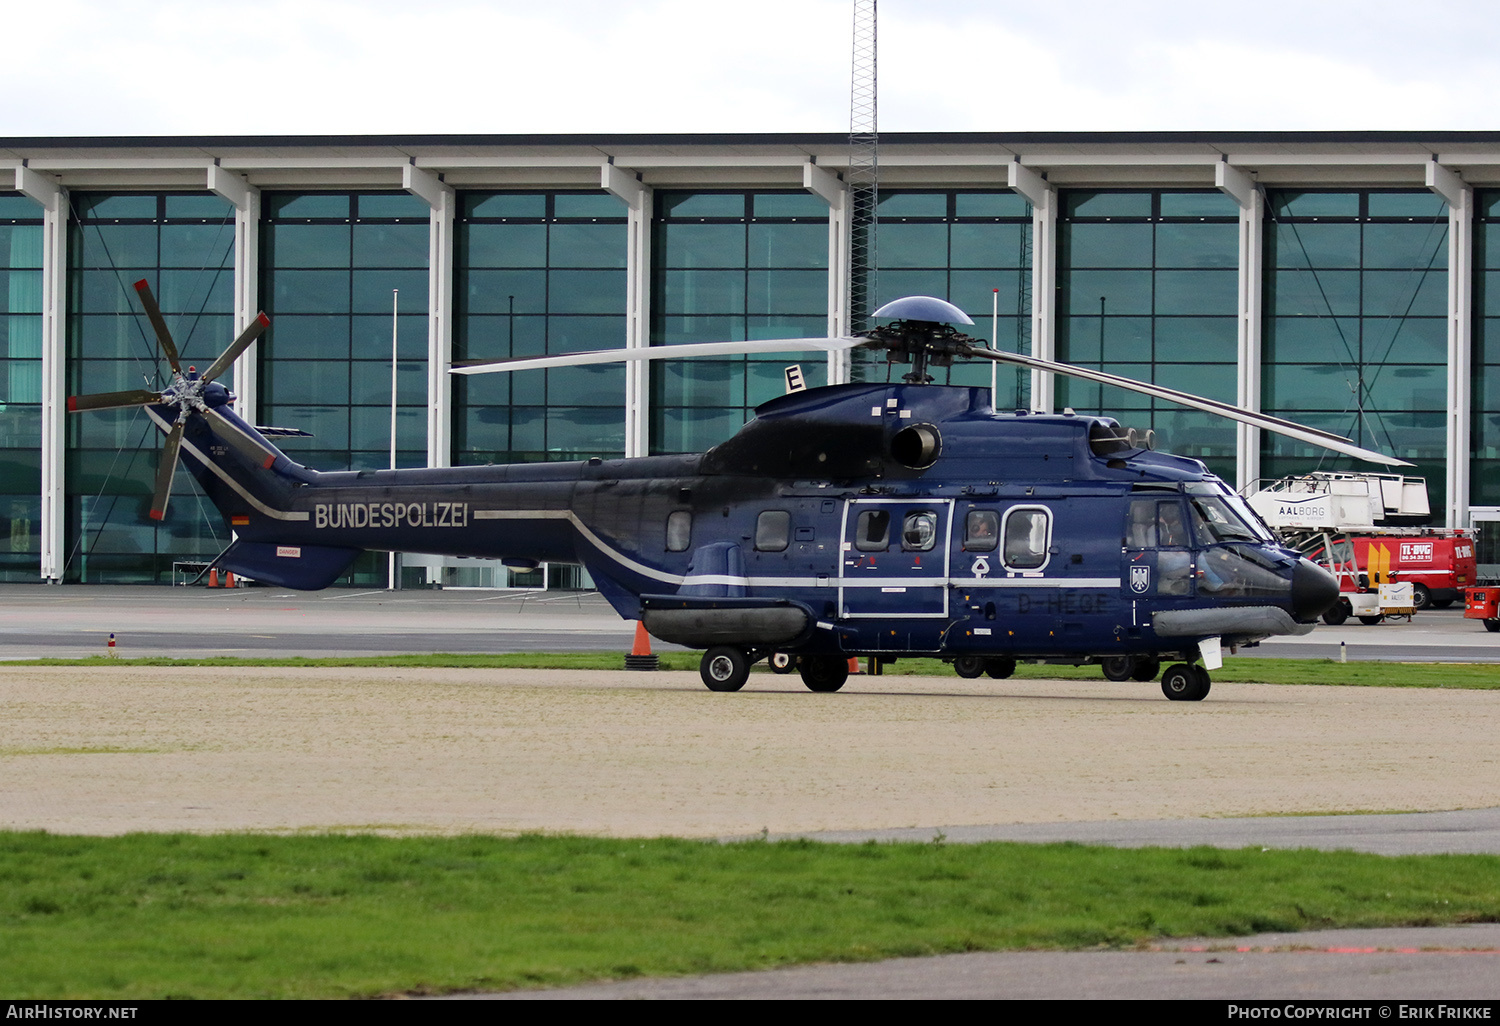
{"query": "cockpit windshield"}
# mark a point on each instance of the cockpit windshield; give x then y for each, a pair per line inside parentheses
(1221, 516)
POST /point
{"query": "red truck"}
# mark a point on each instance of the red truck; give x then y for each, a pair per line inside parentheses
(1439, 563)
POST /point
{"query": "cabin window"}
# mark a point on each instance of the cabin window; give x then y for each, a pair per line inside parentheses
(873, 531)
(679, 530)
(981, 530)
(1026, 536)
(773, 529)
(919, 532)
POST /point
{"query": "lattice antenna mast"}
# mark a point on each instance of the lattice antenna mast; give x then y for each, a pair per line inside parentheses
(864, 167)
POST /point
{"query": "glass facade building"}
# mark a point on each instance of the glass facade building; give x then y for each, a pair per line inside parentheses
(182, 245)
(1147, 289)
(731, 266)
(539, 273)
(1351, 282)
(20, 388)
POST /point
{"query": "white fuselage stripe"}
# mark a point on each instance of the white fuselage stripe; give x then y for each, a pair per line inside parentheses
(222, 476)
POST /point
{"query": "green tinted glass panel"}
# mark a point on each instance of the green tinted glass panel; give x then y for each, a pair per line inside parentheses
(990, 204)
(913, 204)
(587, 245)
(1107, 245)
(1106, 204)
(788, 245)
(503, 245)
(1315, 204)
(988, 245)
(207, 206)
(1197, 292)
(587, 204)
(788, 204)
(90, 206)
(1424, 204)
(308, 245)
(15, 206)
(701, 204)
(305, 204)
(701, 245)
(391, 204)
(1410, 245)
(505, 204)
(1198, 204)
(913, 245)
(390, 245)
(1202, 244)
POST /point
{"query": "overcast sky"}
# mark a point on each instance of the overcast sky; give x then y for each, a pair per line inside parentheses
(83, 67)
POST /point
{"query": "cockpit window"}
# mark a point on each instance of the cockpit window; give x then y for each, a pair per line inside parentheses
(1214, 520)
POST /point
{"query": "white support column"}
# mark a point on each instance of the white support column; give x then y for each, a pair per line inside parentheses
(628, 187)
(429, 186)
(246, 199)
(1460, 198)
(1242, 188)
(1043, 200)
(831, 189)
(53, 198)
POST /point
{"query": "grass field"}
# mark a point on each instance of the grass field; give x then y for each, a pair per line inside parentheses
(151, 916)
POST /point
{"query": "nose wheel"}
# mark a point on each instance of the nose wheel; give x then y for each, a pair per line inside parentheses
(1185, 683)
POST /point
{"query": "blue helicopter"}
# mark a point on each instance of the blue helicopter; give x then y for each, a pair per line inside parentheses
(854, 520)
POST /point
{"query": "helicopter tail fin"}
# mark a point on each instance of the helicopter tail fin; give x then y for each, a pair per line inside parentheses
(251, 482)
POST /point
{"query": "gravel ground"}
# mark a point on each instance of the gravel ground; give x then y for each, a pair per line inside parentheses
(119, 749)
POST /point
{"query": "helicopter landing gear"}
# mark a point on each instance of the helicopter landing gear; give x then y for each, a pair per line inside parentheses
(823, 672)
(1117, 668)
(969, 666)
(782, 662)
(1146, 669)
(724, 668)
(999, 668)
(1185, 683)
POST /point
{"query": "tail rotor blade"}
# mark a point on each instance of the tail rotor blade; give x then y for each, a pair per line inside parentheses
(165, 471)
(254, 331)
(112, 400)
(153, 313)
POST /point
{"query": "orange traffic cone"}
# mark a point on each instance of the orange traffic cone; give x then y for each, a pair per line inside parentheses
(229, 578)
(854, 665)
(213, 577)
(640, 657)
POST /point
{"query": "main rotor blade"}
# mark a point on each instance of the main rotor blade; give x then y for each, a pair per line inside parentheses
(153, 313)
(673, 352)
(246, 446)
(1301, 432)
(112, 400)
(165, 471)
(238, 346)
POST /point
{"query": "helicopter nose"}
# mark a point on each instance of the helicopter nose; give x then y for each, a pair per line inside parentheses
(1313, 590)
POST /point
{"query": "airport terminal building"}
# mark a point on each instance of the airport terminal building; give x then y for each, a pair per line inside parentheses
(1340, 279)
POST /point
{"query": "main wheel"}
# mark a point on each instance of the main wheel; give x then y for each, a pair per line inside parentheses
(1117, 668)
(724, 668)
(782, 662)
(1336, 613)
(1370, 621)
(1184, 683)
(823, 672)
(1441, 603)
(969, 666)
(1492, 625)
(999, 668)
(1146, 669)
(1421, 597)
(1204, 683)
